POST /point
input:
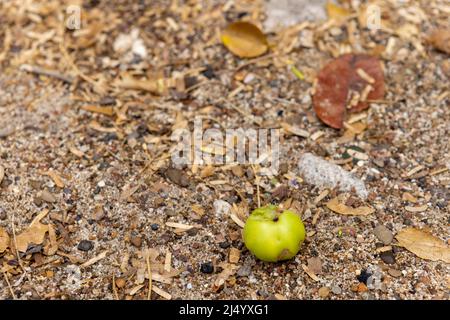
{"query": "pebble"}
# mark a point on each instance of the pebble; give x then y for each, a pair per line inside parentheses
(120, 282)
(154, 226)
(224, 244)
(383, 234)
(395, 273)
(136, 241)
(221, 208)
(361, 287)
(237, 171)
(336, 290)
(192, 232)
(207, 267)
(46, 196)
(85, 245)
(101, 184)
(387, 257)
(363, 276)
(189, 286)
(244, 271)
(177, 176)
(324, 292)
(4, 132)
(249, 78)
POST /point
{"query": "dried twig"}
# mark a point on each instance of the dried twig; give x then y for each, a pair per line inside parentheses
(114, 287)
(149, 269)
(9, 285)
(46, 72)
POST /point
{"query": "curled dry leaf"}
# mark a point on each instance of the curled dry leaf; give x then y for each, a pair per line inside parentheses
(338, 205)
(440, 39)
(229, 269)
(4, 240)
(346, 84)
(424, 245)
(35, 234)
(244, 39)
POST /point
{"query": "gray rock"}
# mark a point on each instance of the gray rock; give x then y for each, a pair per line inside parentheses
(244, 271)
(336, 290)
(221, 208)
(284, 13)
(387, 257)
(383, 234)
(46, 196)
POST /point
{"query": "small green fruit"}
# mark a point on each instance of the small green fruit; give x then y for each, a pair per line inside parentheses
(272, 236)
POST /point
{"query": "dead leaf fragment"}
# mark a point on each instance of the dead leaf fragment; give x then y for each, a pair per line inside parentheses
(4, 240)
(155, 86)
(228, 270)
(315, 265)
(2, 173)
(336, 12)
(289, 129)
(234, 255)
(332, 99)
(310, 273)
(424, 245)
(244, 39)
(108, 111)
(35, 234)
(55, 177)
(440, 39)
(338, 205)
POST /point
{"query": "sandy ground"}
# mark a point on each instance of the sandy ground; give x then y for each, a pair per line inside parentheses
(44, 128)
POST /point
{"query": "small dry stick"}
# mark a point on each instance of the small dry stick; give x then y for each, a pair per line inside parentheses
(252, 61)
(258, 194)
(114, 287)
(149, 294)
(46, 72)
(9, 285)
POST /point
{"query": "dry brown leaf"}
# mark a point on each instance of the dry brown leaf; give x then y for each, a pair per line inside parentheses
(35, 234)
(337, 205)
(98, 127)
(156, 86)
(315, 265)
(424, 245)
(234, 255)
(332, 99)
(53, 245)
(56, 178)
(2, 173)
(311, 274)
(162, 293)
(179, 225)
(108, 111)
(207, 171)
(4, 240)
(421, 208)
(244, 39)
(440, 39)
(294, 130)
(336, 12)
(94, 259)
(228, 270)
(127, 192)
